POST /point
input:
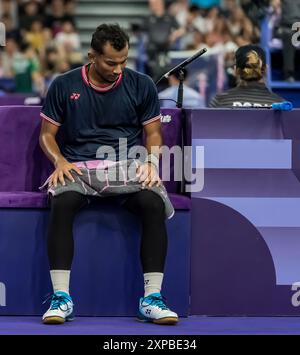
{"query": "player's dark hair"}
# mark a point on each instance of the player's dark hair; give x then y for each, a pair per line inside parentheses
(113, 34)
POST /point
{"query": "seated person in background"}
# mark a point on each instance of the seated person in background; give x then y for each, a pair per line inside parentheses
(251, 91)
(162, 32)
(191, 98)
(26, 70)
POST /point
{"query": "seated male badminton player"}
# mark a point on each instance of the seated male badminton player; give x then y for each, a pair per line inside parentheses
(97, 104)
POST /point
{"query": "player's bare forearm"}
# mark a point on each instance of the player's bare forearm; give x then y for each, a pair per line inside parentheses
(148, 172)
(48, 143)
(153, 144)
(50, 147)
(153, 138)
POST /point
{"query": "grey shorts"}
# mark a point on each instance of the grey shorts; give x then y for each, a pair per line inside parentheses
(103, 178)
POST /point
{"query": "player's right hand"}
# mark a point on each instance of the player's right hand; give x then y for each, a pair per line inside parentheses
(62, 169)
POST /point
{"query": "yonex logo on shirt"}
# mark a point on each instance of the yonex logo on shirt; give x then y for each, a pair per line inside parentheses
(75, 96)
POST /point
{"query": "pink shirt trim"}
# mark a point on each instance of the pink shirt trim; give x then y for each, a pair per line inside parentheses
(96, 87)
(152, 120)
(49, 119)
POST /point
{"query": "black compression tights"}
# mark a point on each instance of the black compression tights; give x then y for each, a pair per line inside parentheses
(146, 204)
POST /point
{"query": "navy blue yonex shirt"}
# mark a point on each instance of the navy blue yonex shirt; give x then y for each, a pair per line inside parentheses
(92, 116)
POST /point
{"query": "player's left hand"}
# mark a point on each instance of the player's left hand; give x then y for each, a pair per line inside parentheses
(148, 175)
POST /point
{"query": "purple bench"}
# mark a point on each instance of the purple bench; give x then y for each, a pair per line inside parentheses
(107, 238)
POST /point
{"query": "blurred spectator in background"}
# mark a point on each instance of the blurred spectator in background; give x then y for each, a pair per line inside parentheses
(221, 30)
(205, 3)
(162, 31)
(228, 7)
(36, 36)
(70, 6)
(54, 64)
(51, 61)
(193, 23)
(31, 12)
(68, 44)
(1, 68)
(222, 26)
(191, 98)
(57, 16)
(68, 39)
(43, 45)
(8, 57)
(240, 25)
(179, 10)
(197, 41)
(25, 67)
(11, 30)
(62, 67)
(251, 90)
(9, 8)
(290, 15)
(274, 21)
(255, 10)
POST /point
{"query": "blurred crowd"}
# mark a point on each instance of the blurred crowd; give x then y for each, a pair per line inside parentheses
(219, 25)
(41, 42)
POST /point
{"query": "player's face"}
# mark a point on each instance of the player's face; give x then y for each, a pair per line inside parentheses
(111, 63)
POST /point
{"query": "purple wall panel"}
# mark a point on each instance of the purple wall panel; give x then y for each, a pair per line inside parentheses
(245, 222)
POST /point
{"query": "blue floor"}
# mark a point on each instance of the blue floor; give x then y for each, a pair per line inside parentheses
(194, 325)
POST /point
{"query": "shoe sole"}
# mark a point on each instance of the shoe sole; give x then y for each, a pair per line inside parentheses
(161, 321)
(57, 320)
(166, 321)
(54, 320)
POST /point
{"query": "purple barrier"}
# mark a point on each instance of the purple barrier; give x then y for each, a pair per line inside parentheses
(245, 221)
(172, 130)
(19, 100)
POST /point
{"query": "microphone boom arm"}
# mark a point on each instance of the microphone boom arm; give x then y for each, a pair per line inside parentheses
(183, 64)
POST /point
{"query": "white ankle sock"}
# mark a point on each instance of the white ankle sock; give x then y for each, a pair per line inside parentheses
(153, 282)
(60, 280)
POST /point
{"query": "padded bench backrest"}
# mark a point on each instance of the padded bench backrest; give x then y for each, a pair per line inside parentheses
(23, 165)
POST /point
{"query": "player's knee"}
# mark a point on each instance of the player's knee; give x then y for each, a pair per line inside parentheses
(152, 203)
(66, 201)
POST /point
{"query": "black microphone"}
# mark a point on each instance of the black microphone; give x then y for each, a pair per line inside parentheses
(185, 62)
